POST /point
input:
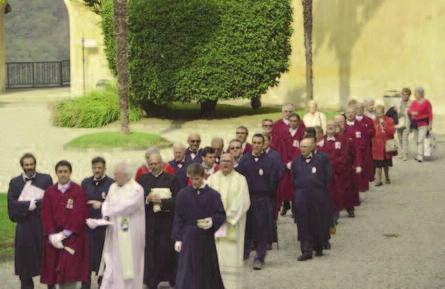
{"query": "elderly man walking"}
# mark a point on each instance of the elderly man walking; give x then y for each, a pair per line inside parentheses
(123, 255)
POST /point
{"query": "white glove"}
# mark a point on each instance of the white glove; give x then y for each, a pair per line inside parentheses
(32, 205)
(206, 224)
(358, 170)
(178, 246)
(92, 223)
(289, 165)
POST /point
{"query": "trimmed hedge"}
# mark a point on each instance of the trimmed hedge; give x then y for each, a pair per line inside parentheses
(202, 50)
(96, 109)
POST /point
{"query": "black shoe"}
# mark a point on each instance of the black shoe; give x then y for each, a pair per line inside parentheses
(388, 181)
(319, 253)
(304, 257)
(327, 246)
(269, 247)
(257, 265)
(379, 184)
(351, 214)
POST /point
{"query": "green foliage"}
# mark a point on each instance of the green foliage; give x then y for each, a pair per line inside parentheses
(108, 32)
(95, 5)
(7, 231)
(96, 109)
(37, 30)
(104, 140)
(203, 50)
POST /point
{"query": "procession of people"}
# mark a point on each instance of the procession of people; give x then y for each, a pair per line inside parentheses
(195, 220)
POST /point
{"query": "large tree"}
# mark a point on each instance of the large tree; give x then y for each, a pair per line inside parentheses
(308, 25)
(203, 50)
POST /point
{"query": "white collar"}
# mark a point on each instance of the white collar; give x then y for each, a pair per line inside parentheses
(350, 123)
(286, 121)
(24, 176)
(63, 188)
(330, 138)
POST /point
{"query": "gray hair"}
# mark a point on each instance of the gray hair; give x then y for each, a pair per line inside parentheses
(419, 90)
(152, 150)
(125, 168)
(218, 140)
(178, 145)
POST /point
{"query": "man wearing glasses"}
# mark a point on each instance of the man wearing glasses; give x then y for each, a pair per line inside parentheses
(193, 153)
(267, 125)
(235, 149)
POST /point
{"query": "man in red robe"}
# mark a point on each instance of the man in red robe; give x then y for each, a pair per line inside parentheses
(289, 148)
(336, 147)
(144, 169)
(368, 127)
(281, 126)
(352, 132)
(64, 212)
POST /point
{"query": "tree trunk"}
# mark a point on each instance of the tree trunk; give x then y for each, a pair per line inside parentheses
(255, 102)
(308, 24)
(208, 107)
(121, 31)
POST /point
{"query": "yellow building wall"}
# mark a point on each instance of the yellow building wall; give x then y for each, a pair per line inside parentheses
(363, 48)
(2, 50)
(84, 24)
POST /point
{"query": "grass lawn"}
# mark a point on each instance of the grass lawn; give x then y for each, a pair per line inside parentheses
(104, 140)
(191, 111)
(7, 231)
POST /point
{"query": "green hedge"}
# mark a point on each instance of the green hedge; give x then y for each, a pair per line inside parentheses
(202, 50)
(96, 109)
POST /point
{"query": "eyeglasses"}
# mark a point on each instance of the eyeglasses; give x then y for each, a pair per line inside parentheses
(241, 132)
(267, 125)
(234, 148)
(195, 140)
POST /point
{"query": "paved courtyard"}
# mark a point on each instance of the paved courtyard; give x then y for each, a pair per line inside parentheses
(396, 240)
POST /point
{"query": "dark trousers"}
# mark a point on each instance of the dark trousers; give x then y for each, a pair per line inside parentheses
(260, 249)
(26, 283)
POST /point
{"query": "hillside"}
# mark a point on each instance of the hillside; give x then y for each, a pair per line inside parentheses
(37, 30)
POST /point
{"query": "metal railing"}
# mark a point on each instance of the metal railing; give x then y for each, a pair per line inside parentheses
(37, 74)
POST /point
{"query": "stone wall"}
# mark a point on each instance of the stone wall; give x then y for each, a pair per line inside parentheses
(363, 48)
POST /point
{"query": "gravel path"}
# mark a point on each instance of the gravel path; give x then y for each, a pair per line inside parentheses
(396, 240)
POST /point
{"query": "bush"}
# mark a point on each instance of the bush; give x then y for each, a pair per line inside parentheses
(96, 109)
(203, 50)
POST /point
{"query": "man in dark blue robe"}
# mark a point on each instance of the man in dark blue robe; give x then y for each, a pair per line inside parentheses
(26, 214)
(199, 213)
(193, 154)
(160, 256)
(313, 212)
(180, 164)
(96, 188)
(262, 177)
(276, 158)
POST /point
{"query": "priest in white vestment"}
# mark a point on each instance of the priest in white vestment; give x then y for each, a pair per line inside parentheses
(123, 255)
(230, 238)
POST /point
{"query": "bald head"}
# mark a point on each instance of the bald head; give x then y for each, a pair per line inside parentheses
(350, 112)
(359, 108)
(155, 163)
(307, 146)
(287, 110)
(226, 163)
(340, 122)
